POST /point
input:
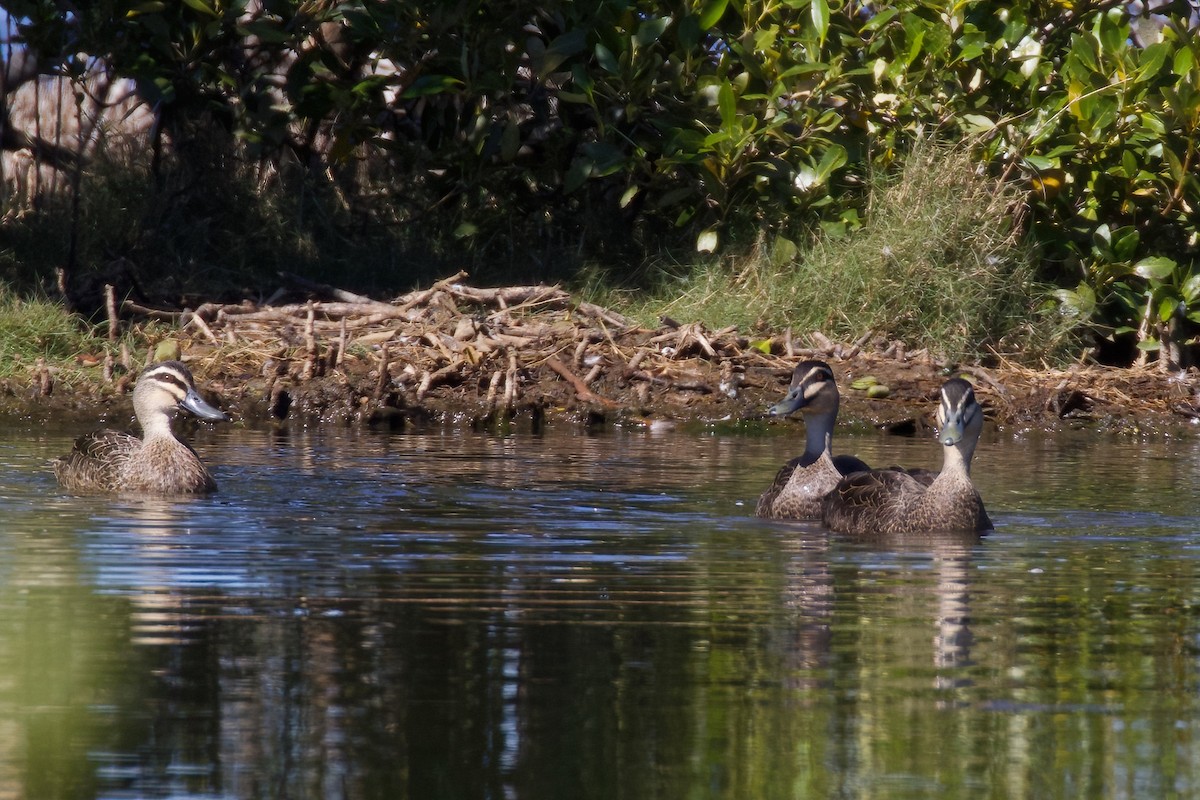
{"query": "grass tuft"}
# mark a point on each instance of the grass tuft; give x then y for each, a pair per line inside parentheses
(938, 264)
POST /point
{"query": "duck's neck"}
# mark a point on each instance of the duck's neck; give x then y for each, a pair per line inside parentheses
(156, 426)
(818, 435)
(956, 460)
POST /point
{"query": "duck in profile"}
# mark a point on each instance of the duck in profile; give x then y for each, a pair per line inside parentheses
(801, 483)
(897, 501)
(159, 463)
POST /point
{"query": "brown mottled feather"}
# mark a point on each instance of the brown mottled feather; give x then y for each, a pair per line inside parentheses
(112, 461)
(813, 479)
(896, 501)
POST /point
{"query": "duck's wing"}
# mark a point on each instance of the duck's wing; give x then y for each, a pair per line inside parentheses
(925, 477)
(94, 460)
(848, 465)
(869, 501)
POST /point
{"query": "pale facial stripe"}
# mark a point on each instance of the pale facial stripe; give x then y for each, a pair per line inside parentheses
(814, 381)
(966, 407)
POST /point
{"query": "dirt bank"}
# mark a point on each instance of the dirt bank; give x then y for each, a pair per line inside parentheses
(534, 352)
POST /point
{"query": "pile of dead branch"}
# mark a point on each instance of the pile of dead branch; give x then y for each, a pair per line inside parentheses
(494, 343)
(485, 351)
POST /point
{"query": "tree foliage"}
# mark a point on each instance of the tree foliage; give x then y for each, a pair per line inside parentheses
(701, 123)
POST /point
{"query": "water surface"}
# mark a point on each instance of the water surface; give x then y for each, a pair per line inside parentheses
(451, 614)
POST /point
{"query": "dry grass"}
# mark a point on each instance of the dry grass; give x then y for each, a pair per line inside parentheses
(940, 264)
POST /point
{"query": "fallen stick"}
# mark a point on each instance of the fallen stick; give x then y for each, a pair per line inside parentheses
(581, 389)
(332, 291)
(110, 302)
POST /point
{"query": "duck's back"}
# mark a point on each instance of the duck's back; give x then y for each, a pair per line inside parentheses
(896, 501)
(94, 463)
(112, 461)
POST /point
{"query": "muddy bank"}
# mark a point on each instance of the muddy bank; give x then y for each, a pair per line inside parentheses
(455, 352)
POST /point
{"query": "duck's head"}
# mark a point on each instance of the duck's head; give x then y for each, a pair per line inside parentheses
(166, 386)
(959, 416)
(813, 391)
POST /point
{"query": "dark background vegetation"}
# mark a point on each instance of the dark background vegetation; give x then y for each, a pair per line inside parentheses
(698, 154)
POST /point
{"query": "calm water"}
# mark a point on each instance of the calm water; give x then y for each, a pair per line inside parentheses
(446, 614)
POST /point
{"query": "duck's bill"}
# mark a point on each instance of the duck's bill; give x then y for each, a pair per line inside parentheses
(951, 432)
(197, 405)
(793, 402)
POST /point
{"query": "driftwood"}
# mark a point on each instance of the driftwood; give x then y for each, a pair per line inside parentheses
(509, 345)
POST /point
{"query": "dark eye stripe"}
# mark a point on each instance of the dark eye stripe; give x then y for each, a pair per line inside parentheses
(172, 380)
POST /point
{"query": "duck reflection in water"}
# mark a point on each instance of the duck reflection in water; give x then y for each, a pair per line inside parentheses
(836, 588)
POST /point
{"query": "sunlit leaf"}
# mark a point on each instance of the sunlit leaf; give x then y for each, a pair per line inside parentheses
(977, 123)
(1167, 307)
(707, 241)
(650, 29)
(727, 103)
(820, 19)
(1190, 290)
(1155, 268)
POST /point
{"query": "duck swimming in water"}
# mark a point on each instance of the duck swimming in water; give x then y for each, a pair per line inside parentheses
(896, 501)
(159, 463)
(801, 483)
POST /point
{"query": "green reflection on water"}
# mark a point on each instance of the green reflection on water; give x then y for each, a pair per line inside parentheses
(609, 629)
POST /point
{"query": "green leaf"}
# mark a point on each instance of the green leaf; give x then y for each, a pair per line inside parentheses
(1125, 241)
(628, 196)
(202, 7)
(727, 103)
(977, 123)
(762, 345)
(1151, 60)
(465, 231)
(266, 30)
(1183, 62)
(820, 19)
(432, 84)
(833, 158)
(1166, 308)
(1149, 345)
(1190, 289)
(569, 44)
(1155, 268)
(650, 29)
(712, 12)
(1174, 165)
(1078, 303)
(606, 59)
(877, 21)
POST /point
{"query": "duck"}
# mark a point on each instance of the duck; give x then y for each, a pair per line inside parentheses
(801, 483)
(158, 463)
(898, 501)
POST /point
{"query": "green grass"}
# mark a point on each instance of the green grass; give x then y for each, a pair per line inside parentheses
(938, 264)
(33, 329)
